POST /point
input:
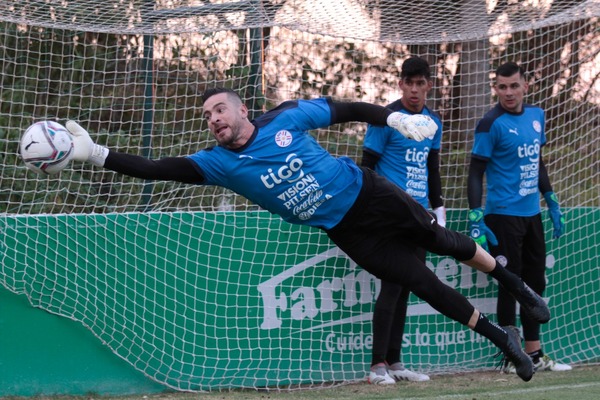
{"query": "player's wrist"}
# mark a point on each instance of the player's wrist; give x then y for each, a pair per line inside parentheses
(551, 199)
(440, 214)
(98, 155)
(475, 214)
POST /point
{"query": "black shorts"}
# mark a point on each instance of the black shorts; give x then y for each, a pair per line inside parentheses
(386, 225)
(521, 246)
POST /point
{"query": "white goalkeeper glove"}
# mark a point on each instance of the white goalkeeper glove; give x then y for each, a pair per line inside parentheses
(84, 147)
(440, 215)
(416, 126)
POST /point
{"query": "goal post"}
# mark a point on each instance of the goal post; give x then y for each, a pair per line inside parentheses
(199, 288)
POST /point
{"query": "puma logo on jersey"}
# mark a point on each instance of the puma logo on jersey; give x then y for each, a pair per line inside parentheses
(513, 131)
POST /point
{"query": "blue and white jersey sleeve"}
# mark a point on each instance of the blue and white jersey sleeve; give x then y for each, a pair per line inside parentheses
(404, 161)
(511, 144)
(284, 170)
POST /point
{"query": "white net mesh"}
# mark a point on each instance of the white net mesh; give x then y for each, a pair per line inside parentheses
(200, 289)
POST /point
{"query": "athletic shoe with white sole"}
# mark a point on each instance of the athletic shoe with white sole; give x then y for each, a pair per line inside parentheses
(379, 376)
(545, 363)
(399, 373)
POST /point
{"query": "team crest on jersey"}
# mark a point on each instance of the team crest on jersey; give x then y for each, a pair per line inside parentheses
(537, 126)
(283, 138)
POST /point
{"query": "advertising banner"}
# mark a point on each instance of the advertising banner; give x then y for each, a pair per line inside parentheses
(220, 300)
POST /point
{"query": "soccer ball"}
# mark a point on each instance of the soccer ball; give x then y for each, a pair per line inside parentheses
(46, 147)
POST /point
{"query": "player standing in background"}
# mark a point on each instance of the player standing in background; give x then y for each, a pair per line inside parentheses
(507, 148)
(274, 162)
(415, 168)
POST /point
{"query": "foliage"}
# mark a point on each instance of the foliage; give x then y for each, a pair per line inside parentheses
(103, 81)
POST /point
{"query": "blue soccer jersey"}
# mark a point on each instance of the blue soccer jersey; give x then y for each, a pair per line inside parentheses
(404, 161)
(511, 144)
(284, 170)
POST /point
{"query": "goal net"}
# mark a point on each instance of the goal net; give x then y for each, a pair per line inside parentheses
(202, 290)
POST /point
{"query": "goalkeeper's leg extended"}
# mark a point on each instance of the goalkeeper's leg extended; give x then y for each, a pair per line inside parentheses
(463, 248)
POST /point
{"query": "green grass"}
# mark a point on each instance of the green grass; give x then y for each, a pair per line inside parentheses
(582, 383)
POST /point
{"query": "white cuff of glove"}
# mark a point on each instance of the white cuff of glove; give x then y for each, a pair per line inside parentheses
(98, 155)
(440, 214)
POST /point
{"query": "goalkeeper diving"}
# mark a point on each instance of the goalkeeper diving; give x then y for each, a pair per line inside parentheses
(373, 221)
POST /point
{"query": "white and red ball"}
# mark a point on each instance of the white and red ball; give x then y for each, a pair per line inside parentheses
(46, 147)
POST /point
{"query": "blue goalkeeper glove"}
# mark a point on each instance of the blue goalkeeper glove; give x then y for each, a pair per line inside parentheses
(557, 218)
(478, 231)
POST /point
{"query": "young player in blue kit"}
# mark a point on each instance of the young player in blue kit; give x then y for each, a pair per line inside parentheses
(507, 148)
(414, 167)
(373, 221)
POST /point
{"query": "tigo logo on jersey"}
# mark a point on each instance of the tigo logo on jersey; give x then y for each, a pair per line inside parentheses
(415, 155)
(283, 138)
(289, 172)
(530, 151)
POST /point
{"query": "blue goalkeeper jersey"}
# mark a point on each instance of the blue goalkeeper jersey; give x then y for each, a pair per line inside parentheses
(284, 170)
(404, 161)
(511, 144)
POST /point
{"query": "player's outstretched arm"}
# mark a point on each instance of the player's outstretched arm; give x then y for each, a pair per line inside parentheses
(416, 127)
(179, 169)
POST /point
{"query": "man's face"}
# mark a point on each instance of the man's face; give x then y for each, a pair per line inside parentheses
(225, 115)
(414, 92)
(511, 91)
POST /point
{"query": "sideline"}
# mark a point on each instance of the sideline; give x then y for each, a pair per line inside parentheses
(509, 392)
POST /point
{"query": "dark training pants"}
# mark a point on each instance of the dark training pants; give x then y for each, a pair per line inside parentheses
(381, 233)
(522, 248)
(389, 319)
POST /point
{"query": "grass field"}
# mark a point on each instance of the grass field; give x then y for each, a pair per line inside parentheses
(582, 383)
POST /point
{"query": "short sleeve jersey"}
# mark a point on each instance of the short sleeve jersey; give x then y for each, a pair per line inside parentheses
(284, 170)
(404, 161)
(511, 144)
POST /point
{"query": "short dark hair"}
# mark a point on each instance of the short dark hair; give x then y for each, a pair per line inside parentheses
(415, 66)
(217, 90)
(509, 69)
